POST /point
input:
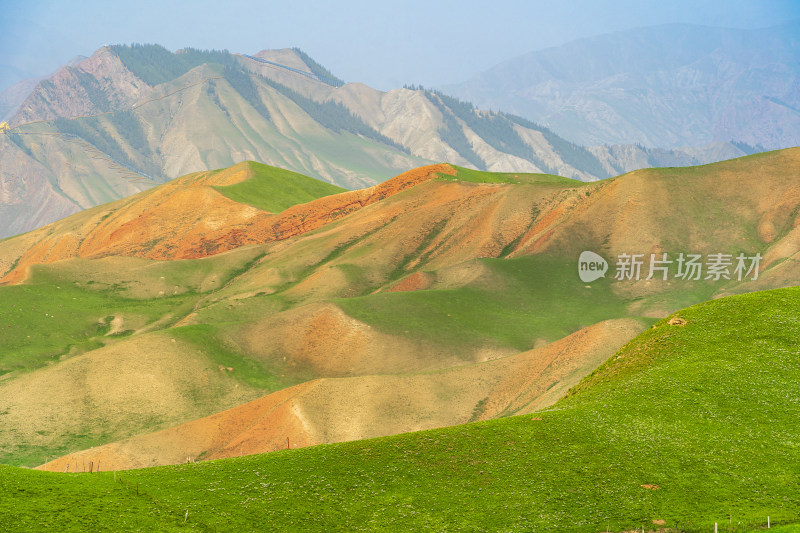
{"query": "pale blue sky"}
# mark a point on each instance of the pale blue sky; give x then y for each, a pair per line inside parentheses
(382, 44)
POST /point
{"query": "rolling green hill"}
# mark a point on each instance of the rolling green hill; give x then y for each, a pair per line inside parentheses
(274, 189)
(442, 296)
(691, 423)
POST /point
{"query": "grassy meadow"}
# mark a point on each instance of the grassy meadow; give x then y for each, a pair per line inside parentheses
(686, 426)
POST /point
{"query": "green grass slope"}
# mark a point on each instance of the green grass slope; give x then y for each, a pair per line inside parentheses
(519, 301)
(516, 178)
(690, 424)
(275, 189)
(66, 308)
(60, 495)
(41, 322)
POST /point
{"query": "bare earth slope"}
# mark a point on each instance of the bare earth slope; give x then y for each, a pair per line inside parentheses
(156, 224)
(335, 410)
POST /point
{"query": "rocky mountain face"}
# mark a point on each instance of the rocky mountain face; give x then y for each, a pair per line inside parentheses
(130, 117)
(14, 96)
(666, 86)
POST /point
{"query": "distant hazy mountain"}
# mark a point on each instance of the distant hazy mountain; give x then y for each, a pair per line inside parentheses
(131, 117)
(19, 87)
(665, 86)
(10, 75)
(12, 98)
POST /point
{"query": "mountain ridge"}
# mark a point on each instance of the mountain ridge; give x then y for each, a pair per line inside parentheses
(665, 86)
(154, 224)
(97, 131)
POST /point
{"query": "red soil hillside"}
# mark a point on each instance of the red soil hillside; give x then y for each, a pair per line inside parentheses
(186, 218)
(647, 210)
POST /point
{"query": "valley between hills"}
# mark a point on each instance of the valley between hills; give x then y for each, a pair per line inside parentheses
(249, 309)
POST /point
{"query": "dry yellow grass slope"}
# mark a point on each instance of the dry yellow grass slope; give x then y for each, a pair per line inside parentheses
(123, 389)
(645, 211)
(733, 203)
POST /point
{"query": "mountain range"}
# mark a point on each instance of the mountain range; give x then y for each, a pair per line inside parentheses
(130, 117)
(664, 86)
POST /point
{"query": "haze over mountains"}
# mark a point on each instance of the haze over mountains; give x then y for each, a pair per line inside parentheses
(130, 117)
(12, 97)
(665, 86)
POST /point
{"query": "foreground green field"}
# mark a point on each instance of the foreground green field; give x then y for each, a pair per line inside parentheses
(688, 424)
